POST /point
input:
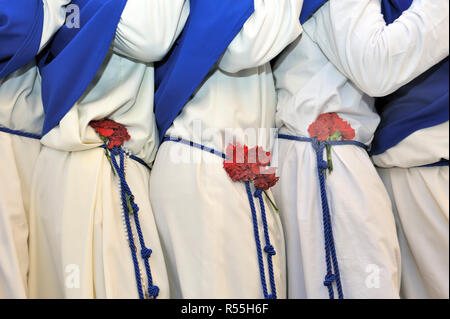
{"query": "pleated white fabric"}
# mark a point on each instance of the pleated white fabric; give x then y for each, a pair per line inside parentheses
(421, 207)
(204, 218)
(206, 227)
(345, 54)
(20, 109)
(420, 202)
(16, 169)
(78, 244)
(362, 221)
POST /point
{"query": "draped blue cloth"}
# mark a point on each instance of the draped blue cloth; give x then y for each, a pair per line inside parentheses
(209, 30)
(309, 8)
(71, 61)
(21, 24)
(422, 103)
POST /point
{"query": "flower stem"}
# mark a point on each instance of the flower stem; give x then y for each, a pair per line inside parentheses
(105, 141)
(130, 208)
(272, 203)
(329, 159)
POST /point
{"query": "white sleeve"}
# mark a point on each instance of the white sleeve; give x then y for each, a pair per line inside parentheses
(54, 18)
(272, 27)
(376, 57)
(148, 28)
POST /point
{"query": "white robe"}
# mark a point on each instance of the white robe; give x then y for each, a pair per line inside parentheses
(346, 52)
(420, 203)
(78, 243)
(203, 217)
(21, 110)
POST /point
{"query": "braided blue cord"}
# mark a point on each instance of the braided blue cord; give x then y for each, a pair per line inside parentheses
(20, 133)
(268, 249)
(138, 160)
(330, 249)
(153, 291)
(123, 184)
(257, 240)
(195, 145)
(330, 253)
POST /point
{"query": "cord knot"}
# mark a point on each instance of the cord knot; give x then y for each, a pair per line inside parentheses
(153, 291)
(115, 151)
(258, 192)
(329, 279)
(146, 253)
(269, 249)
(323, 165)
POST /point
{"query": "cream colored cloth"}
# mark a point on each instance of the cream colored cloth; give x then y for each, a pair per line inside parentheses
(206, 228)
(420, 202)
(345, 53)
(205, 219)
(362, 221)
(16, 170)
(423, 147)
(20, 109)
(421, 207)
(79, 247)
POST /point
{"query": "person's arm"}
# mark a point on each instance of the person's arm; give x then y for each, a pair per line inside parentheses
(54, 18)
(272, 27)
(376, 57)
(148, 28)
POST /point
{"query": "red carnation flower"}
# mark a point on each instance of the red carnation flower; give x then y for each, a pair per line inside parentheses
(266, 179)
(244, 164)
(328, 124)
(322, 127)
(347, 132)
(115, 133)
(257, 155)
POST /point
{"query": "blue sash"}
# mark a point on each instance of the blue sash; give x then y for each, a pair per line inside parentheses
(21, 23)
(71, 62)
(211, 27)
(422, 103)
(309, 8)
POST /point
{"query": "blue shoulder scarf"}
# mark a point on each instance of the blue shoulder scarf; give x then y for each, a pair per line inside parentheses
(422, 103)
(211, 27)
(309, 8)
(21, 23)
(209, 30)
(71, 61)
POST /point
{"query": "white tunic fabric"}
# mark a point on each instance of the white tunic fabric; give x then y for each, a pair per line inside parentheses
(420, 202)
(203, 217)
(346, 52)
(79, 246)
(21, 110)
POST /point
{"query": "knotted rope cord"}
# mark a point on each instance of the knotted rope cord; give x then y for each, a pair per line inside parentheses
(269, 249)
(331, 260)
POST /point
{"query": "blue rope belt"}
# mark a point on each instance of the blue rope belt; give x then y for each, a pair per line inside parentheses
(20, 133)
(333, 274)
(268, 249)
